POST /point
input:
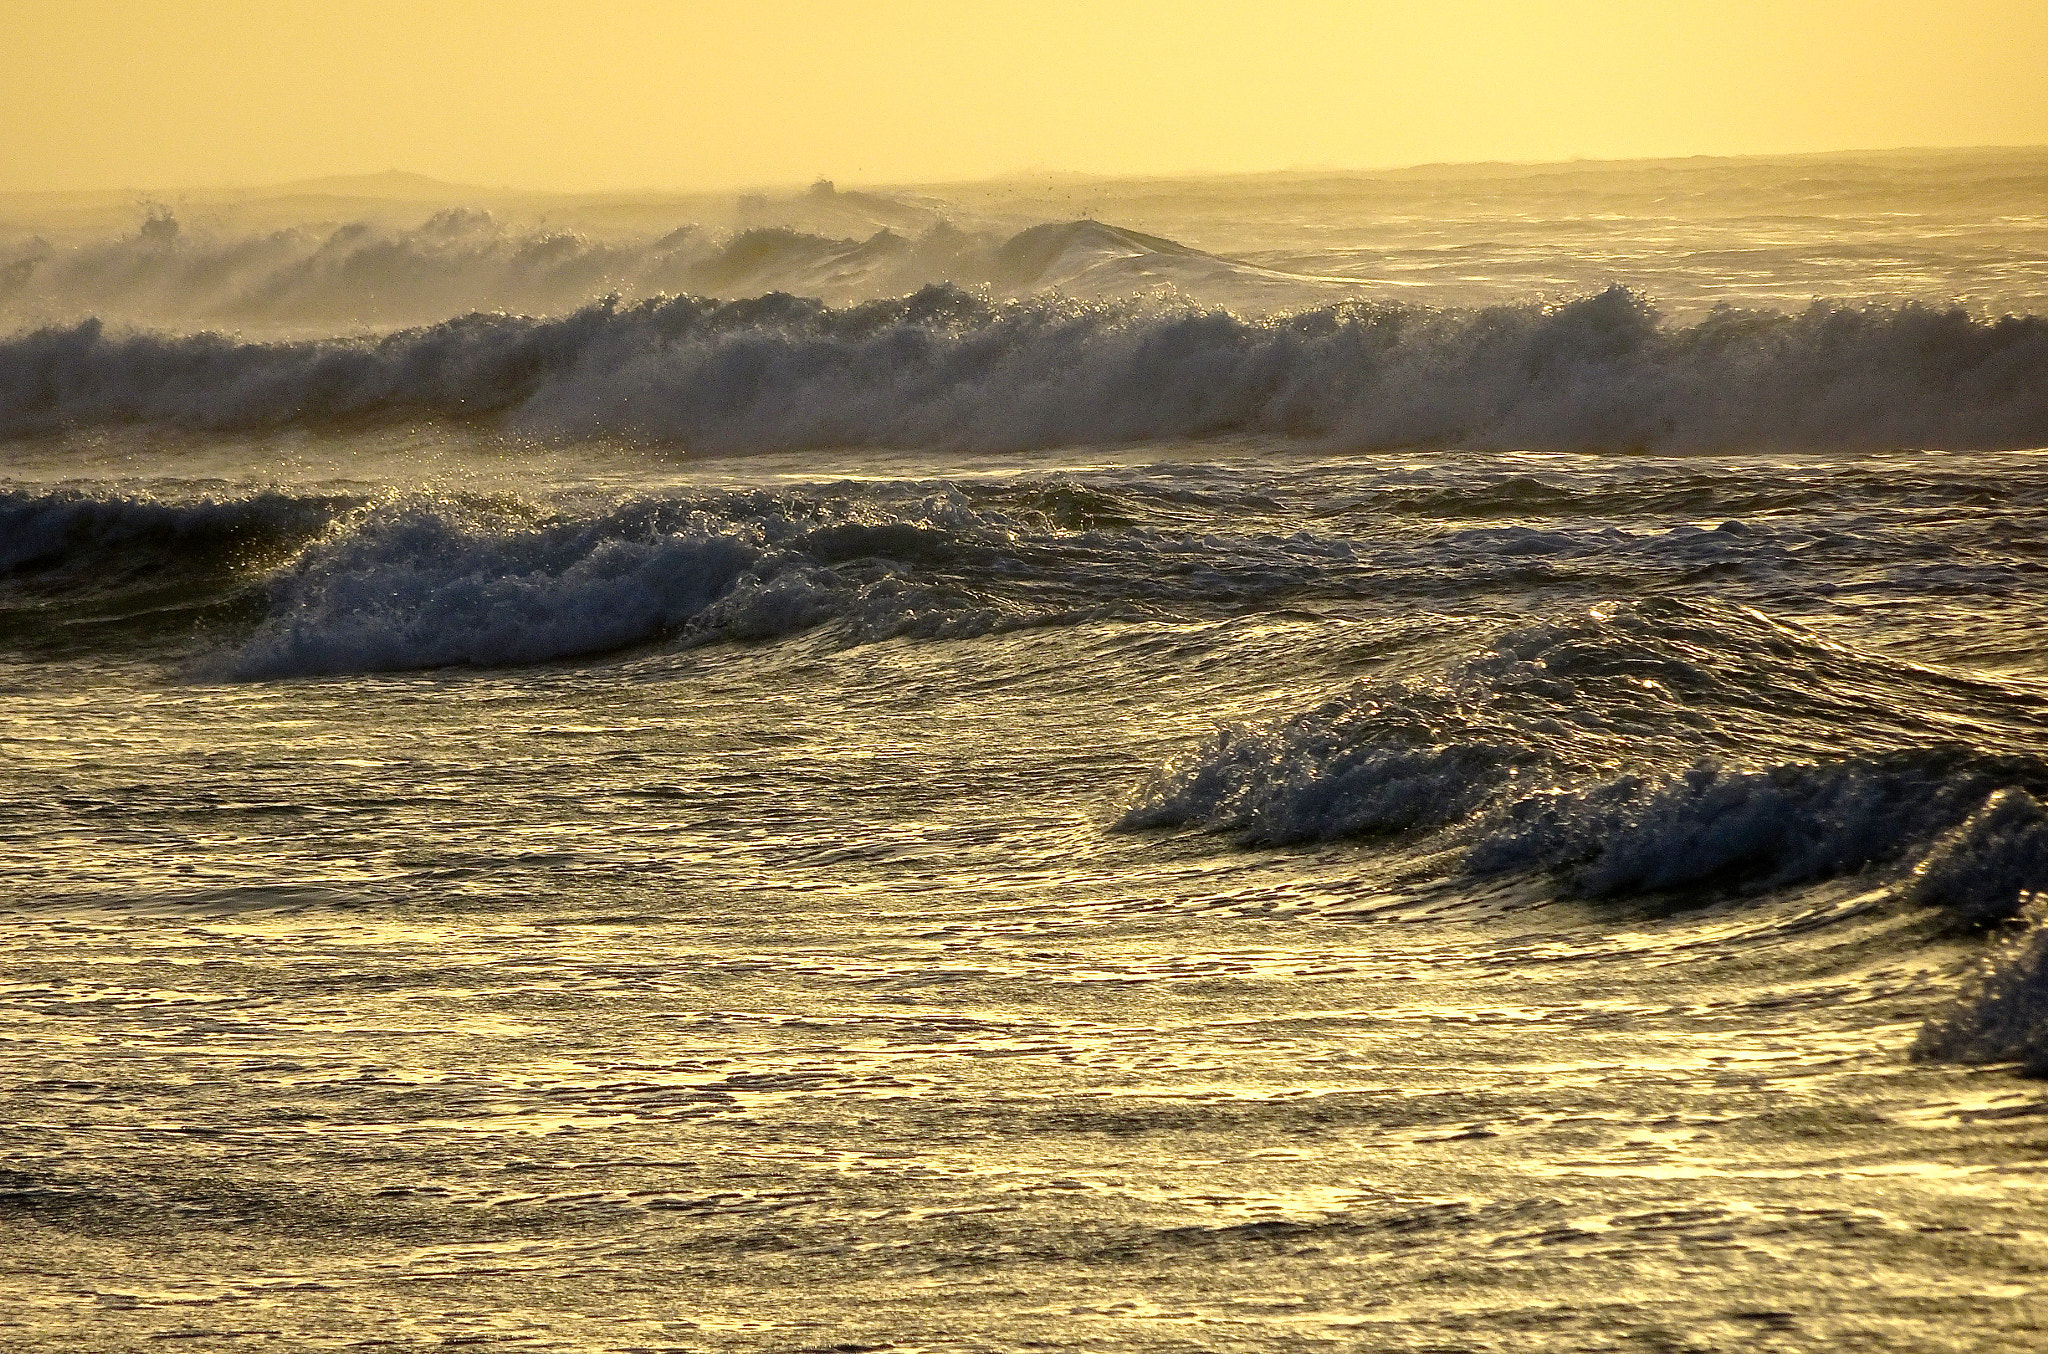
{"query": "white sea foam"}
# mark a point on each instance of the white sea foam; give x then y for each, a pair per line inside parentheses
(425, 583)
(1361, 763)
(947, 368)
(414, 581)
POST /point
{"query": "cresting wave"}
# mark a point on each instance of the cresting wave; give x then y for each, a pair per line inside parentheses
(81, 569)
(399, 581)
(948, 368)
(1667, 749)
(460, 260)
(95, 541)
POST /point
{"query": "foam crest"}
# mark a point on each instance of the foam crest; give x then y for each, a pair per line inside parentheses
(947, 368)
(1646, 748)
(1361, 763)
(427, 583)
(1721, 827)
(1978, 872)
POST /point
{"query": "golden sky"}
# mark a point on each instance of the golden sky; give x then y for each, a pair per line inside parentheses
(641, 94)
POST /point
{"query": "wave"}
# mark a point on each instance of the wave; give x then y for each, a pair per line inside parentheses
(461, 260)
(304, 584)
(426, 584)
(1664, 751)
(81, 569)
(72, 540)
(1720, 827)
(2000, 1012)
(883, 558)
(944, 367)
(430, 582)
(1653, 747)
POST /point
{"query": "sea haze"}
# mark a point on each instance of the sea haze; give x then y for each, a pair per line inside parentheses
(1449, 759)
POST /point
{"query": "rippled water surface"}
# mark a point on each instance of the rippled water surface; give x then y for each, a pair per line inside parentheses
(561, 898)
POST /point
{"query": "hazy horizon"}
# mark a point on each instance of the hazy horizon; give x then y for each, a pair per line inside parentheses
(633, 96)
(369, 179)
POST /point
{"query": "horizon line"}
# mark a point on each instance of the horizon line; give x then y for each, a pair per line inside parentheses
(311, 184)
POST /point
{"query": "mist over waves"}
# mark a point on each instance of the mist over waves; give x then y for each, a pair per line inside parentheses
(1802, 303)
(368, 274)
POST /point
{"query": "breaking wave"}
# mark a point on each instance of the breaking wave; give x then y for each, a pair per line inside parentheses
(86, 569)
(322, 584)
(426, 584)
(363, 274)
(416, 582)
(1653, 747)
(944, 367)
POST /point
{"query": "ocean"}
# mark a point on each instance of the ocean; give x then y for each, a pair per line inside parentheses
(1449, 759)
